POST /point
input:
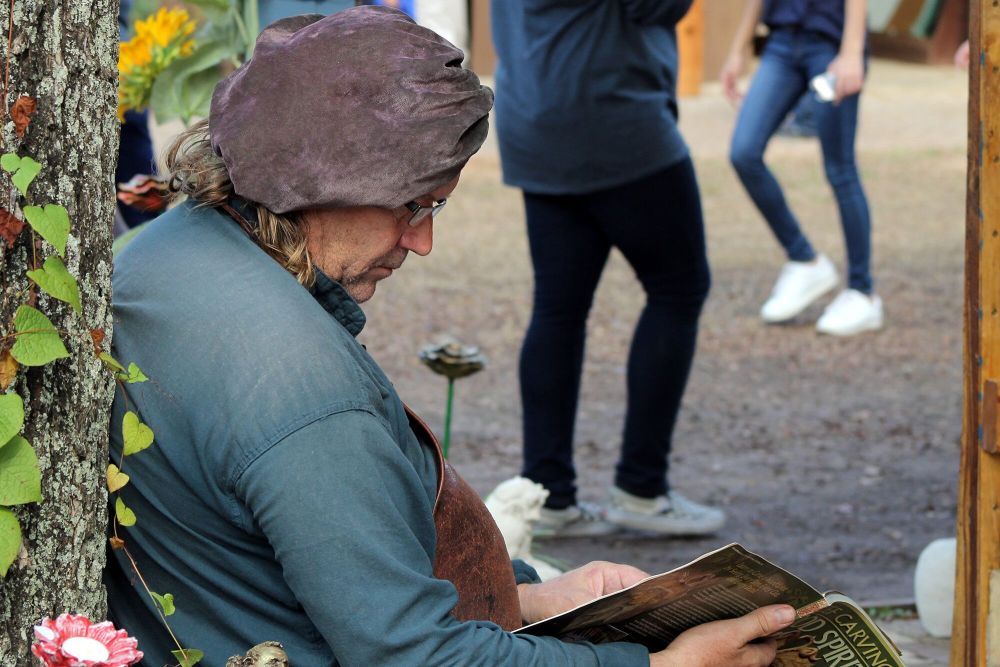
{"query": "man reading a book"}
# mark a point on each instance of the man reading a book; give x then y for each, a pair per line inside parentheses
(290, 495)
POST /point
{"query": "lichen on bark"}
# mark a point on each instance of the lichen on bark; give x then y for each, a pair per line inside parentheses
(64, 54)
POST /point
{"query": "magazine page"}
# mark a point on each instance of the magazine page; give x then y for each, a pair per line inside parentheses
(726, 583)
(840, 635)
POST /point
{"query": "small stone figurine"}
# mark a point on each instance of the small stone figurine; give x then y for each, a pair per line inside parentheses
(515, 505)
(265, 654)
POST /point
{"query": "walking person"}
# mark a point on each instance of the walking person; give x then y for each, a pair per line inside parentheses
(587, 120)
(808, 38)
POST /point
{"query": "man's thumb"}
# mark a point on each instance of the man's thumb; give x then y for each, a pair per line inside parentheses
(767, 620)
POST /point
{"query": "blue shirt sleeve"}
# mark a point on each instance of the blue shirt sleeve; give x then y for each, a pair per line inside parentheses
(350, 521)
(524, 573)
(650, 12)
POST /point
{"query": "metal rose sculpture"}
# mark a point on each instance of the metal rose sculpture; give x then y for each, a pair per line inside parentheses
(72, 640)
(453, 360)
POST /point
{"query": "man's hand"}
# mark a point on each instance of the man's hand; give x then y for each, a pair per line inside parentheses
(730, 75)
(539, 601)
(734, 643)
(849, 70)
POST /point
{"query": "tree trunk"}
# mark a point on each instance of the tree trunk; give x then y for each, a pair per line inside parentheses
(64, 54)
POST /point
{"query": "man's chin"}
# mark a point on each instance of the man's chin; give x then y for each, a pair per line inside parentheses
(361, 291)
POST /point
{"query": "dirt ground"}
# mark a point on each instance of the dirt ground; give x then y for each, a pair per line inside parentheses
(836, 458)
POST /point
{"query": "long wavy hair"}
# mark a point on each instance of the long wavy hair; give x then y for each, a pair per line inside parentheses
(198, 173)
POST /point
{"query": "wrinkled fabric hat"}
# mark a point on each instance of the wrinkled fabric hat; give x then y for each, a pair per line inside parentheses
(360, 108)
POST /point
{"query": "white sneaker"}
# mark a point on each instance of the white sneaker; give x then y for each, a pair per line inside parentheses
(851, 313)
(799, 284)
(672, 514)
(581, 520)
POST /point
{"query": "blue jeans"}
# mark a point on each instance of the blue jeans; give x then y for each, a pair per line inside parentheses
(790, 59)
(656, 223)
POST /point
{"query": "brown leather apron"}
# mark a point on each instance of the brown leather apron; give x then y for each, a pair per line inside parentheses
(470, 549)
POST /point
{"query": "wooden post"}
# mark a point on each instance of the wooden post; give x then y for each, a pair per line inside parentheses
(976, 630)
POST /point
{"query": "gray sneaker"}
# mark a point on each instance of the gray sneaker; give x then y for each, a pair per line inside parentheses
(582, 520)
(672, 514)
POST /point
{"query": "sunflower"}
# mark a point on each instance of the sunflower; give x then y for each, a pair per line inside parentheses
(159, 40)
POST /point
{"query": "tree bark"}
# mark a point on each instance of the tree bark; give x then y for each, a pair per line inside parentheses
(64, 54)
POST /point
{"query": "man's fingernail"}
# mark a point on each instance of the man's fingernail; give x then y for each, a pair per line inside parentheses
(784, 615)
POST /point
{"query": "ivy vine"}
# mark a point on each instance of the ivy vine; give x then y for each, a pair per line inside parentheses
(32, 340)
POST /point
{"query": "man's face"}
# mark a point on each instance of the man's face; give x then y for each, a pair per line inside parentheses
(360, 246)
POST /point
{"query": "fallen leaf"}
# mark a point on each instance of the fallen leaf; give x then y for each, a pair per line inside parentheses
(21, 112)
(10, 227)
(116, 542)
(97, 335)
(8, 369)
(116, 478)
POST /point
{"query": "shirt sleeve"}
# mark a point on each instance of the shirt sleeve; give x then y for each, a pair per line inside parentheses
(650, 12)
(524, 573)
(350, 521)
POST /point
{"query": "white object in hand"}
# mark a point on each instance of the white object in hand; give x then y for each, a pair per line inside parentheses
(825, 86)
(516, 505)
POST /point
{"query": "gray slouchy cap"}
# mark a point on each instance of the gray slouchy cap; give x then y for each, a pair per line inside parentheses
(361, 108)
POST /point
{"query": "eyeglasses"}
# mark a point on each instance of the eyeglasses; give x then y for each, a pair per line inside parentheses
(419, 213)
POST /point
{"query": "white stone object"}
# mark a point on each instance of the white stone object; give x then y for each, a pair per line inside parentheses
(516, 505)
(934, 586)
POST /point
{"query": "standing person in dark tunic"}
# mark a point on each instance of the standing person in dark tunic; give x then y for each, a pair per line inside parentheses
(587, 123)
(808, 38)
(290, 495)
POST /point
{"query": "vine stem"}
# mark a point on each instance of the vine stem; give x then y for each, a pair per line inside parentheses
(135, 568)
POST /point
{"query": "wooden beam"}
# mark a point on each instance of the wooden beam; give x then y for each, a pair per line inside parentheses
(974, 636)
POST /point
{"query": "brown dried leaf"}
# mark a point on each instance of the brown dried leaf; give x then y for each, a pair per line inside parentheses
(21, 112)
(97, 335)
(10, 227)
(8, 370)
(116, 542)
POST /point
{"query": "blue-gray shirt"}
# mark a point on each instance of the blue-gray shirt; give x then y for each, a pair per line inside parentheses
(285, 497)
(585, 91)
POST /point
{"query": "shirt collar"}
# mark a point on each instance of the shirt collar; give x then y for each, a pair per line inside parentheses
(336, 301)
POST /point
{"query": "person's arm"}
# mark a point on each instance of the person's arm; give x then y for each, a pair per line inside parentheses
(349, 518)
(731, 643)
(849, 65)
(736, 61)
(650, 12)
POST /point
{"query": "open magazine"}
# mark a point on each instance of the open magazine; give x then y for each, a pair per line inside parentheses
(831, 630)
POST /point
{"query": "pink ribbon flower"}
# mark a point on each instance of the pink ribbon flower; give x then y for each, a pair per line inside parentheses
(73, 641)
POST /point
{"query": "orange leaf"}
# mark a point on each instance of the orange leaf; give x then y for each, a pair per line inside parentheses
(116, 542)
(10, 227)
(8, 370)
(98, 337)
(21, 112)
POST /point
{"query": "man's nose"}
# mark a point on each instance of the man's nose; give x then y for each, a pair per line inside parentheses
(419, 239)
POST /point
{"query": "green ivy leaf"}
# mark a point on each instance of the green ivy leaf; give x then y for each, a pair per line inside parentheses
(136, 435)
(125, 516)
(11, 417)
(111, 361)
(10, 539)
(194, 656)
(57, 281)
(133, 374)
(22, 169)
(166, 602)
(20, 478)
(51, 223)
(38, 341)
